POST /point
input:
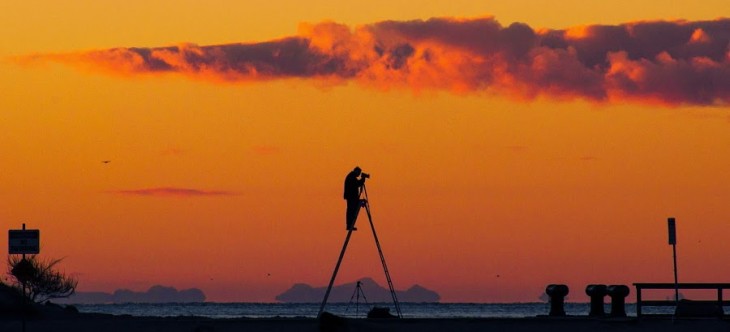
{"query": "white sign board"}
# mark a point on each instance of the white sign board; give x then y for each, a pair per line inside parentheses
(26, 241)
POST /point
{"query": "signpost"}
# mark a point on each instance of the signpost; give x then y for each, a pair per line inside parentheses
(24, 241)
(671, 225)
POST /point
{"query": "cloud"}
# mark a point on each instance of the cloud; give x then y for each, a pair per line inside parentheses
(516, 148)
(171, 191)
(172, 151)
(657, 62)
(589, 158)
(265, 150)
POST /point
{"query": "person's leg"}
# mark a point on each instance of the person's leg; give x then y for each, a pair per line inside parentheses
(353, 207)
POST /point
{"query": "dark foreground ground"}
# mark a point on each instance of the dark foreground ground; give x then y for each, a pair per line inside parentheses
(108, 323)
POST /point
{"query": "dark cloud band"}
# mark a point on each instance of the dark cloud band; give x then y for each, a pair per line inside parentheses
(665, 62)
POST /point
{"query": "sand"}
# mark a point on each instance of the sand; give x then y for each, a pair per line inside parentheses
(109, 323)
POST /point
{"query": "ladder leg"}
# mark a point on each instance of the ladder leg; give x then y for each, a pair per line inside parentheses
(334, 274)
(382, 260)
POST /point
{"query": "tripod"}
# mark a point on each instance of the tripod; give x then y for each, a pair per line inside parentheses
(356, 296)
(365, 203)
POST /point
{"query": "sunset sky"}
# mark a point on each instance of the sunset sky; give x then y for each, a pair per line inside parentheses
(512, 144)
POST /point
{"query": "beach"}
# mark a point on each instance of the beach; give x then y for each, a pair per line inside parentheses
(111, 323)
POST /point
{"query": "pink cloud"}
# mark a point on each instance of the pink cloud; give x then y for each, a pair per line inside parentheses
(172, 151)
(172, 191)
(516, 148)
(265, 150)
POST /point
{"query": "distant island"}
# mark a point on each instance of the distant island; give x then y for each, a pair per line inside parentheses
(303, 293)
(156, 294)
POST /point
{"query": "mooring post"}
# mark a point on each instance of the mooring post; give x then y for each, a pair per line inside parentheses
(597, 293)
(618, 294)
(557, 295)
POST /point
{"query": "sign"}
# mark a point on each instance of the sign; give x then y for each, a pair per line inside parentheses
(672, 231)
(26, 241)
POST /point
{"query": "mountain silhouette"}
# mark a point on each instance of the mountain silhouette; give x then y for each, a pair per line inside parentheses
(156, 294)
(303, 293)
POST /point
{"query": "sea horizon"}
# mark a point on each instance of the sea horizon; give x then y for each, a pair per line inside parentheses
(355, 310)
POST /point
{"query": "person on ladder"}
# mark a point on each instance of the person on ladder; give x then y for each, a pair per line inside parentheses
(352, 196)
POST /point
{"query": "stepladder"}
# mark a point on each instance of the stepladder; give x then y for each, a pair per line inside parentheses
(364, 203)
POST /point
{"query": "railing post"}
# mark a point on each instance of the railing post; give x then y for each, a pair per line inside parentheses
(719, 297)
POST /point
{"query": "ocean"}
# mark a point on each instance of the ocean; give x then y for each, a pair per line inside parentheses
(353, 310)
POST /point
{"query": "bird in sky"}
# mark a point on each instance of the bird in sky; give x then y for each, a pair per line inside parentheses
(106, 161)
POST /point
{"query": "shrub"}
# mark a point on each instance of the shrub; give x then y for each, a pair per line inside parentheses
(42, 280)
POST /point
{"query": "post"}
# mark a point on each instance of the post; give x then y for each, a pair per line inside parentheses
(618, 294)
(597, 293)
(719, 297)
(671, 224)
(25, 300)
(23, 278)
(557, 293)
(676, 282)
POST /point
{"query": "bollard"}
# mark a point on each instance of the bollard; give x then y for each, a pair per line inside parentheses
(597, 293)
(557, 295)
(618, 294)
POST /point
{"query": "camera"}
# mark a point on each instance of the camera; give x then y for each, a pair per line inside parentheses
(365, 175)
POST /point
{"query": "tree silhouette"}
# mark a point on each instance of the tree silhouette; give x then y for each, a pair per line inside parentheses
(42, 280)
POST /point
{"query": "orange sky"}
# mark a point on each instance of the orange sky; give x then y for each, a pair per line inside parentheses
(480, 196)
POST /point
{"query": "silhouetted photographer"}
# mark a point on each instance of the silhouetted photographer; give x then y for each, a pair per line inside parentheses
(354, 190)
(353, 184)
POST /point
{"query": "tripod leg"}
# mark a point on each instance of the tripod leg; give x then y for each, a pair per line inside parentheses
(334, 274)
